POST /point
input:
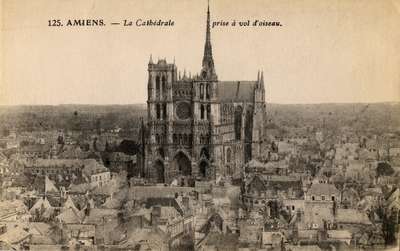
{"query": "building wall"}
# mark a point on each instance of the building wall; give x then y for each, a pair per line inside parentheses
(100, 179)
(189, 128)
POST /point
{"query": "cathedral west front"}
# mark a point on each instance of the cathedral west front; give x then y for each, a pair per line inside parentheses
(198, 127)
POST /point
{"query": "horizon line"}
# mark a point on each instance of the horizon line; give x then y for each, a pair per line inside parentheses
(144, 103)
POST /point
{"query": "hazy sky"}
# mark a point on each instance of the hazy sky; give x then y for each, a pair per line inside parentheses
(326, 51)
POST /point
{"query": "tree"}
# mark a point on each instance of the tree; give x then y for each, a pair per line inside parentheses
(389, 224)
(384, 169)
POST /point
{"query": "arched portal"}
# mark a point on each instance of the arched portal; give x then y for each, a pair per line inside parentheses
(203, 168)
(182, 164)
(159, 171)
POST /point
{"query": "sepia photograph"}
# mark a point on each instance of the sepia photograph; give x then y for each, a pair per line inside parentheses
(200, 125)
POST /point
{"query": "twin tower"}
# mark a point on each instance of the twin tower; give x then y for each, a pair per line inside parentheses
(200, 128)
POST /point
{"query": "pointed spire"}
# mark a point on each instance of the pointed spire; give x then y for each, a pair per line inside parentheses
(179, 75)
(208, 70)
(258, 76)
(261, 82)
(262, 77)
(151, 59)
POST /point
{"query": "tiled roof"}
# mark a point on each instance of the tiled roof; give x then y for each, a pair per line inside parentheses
(164, 202)
(221, 240)
(14, 235)
(322, 189)
(56, 163)
(352, 216)
(99, 214)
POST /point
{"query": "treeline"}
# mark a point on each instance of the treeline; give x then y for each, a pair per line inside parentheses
(71, 117)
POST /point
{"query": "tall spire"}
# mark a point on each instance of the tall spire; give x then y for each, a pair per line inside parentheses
(262, 77)
(208, 70)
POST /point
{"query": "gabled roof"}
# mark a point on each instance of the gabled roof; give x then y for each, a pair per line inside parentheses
(49, 186)
(69, 203)
(236, 91)
(41, 202)
(70, 216)
(164, 202)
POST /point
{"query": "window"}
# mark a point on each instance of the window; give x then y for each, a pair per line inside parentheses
(164, 83)
(228, 155)
(208, 112)
(333, 198)
(201, 91)
(238, 123)
(207, 91)
(202, 112)
(312, 197)
(158, 111)
(164, 111)
(292, 207)
(323, 197)
(158, 83)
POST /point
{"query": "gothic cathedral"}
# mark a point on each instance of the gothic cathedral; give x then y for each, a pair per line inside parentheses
(200, 128)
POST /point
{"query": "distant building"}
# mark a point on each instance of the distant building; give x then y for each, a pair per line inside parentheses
(261, 189)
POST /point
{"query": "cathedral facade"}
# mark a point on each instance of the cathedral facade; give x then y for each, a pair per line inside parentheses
(198, 127)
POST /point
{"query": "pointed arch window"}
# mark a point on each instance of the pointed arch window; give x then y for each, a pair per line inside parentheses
(158, 111)
(201, 111)
(208, 112)
(201, 91)
(207, 91)
(163, 83)
(228, 155)
(157, 83)
(164, 111)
